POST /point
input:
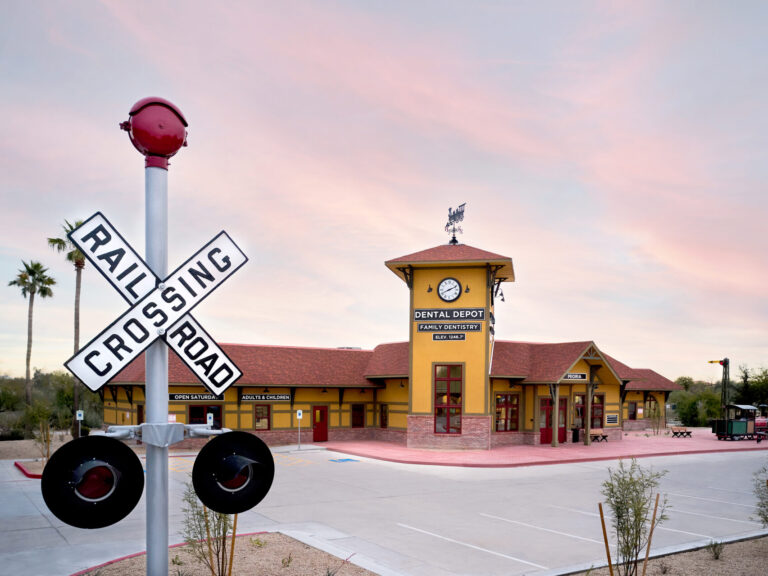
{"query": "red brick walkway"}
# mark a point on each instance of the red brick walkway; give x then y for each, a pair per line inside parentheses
(635, 444)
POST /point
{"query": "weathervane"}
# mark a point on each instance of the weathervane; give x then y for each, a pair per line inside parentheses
(454, 217)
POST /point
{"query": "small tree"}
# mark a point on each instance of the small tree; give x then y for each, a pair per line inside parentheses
(655, 417)
(760, 481)
(38, 417)
(202, 524)
(629, 493)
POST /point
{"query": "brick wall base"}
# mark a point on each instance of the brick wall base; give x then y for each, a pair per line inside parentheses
(630, 425)
(287, 437)
(475, 434)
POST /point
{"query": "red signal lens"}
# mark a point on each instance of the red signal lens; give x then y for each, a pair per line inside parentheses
(96, 483)
(238, 481)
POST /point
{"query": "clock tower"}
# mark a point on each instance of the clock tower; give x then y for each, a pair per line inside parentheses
(453, 290)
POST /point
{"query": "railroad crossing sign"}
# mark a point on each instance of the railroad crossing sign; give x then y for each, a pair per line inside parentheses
(159, 307)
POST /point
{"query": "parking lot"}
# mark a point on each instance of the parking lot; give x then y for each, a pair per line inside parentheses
(414, 520)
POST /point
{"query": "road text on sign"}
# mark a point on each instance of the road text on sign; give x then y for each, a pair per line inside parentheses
(158, 308)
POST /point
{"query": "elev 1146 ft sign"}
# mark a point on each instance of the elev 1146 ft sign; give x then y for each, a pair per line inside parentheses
(160, 308)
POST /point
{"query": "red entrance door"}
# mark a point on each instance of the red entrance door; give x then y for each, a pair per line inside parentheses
(545, 420)
(320, 423)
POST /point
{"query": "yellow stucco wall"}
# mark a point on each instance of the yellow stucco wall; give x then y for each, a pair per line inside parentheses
(473, 352)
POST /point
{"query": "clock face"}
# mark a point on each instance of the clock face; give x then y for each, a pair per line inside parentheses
(449, 289)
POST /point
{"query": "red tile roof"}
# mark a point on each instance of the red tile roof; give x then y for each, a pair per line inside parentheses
(622, 370)
(389, 360)
(448, 253)
(344, 368)
(536, 362)
(274, 366)
(647, 379)
(457, 254)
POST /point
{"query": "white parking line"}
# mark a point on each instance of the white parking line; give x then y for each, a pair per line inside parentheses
(540, 528)
(678, 511)
(726, 490)
(712, 500)
(607, 517)
(472, 546)
(685, 532)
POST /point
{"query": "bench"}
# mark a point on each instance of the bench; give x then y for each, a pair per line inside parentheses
(680, 432)
(597, 435)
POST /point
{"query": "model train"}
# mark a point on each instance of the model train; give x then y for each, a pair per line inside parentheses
(741, 422)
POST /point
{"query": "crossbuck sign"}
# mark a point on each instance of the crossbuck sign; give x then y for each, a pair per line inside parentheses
(159, 307)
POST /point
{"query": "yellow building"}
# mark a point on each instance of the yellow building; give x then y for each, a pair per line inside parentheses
(451, 386)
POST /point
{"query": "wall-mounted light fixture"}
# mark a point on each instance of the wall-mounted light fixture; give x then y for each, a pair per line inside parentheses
(402, 384)
(363, 390)
(266, 390)
(324, 391)
(466, 290)
(429, 289)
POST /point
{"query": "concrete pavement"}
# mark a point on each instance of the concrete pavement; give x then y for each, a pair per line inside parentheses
(386, 513)
(637, 444)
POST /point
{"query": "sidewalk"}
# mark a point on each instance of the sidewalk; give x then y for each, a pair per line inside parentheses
(636, 444)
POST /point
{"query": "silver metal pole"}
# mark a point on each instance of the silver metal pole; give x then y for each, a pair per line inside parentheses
(156, 235)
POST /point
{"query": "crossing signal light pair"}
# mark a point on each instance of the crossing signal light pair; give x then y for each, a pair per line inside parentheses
(96, 481)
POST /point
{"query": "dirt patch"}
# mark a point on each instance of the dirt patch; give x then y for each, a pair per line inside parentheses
(271, 554)
(736, 559)
(26, 449)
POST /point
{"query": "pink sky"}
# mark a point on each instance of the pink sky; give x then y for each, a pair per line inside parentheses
(616, 153)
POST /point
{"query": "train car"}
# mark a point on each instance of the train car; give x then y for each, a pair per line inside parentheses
(761, 422)
(739, 423)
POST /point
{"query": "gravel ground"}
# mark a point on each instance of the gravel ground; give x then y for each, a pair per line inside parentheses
(736, 559)
(271, 554)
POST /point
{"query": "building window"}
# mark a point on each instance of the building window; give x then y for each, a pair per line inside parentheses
(632, 411)
(384, 416)
(578, 411)
(358, 415)
(507, 412)
(448, 384)
(198, 414)
(598, 403)
(261, 417)
(651, 407)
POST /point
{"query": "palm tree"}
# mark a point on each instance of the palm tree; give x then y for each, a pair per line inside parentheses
(33, 279)
(77, 258)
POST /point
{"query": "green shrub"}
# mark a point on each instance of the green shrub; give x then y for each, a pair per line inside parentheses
(715, 548)
(198, 522)
(760, 485)
(630, 494)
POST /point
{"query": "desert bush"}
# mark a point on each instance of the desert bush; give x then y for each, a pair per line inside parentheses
(715, 549)
(629, 493)
(198, 523)
(760, 485)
